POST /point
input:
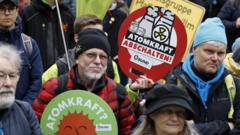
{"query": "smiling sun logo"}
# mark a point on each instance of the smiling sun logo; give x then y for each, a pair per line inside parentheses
(76, 124)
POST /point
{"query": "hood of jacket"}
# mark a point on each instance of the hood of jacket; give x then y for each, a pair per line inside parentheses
(202, 86)
(231, 65)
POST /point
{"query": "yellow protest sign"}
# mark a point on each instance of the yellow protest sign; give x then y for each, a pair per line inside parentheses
(190, 14)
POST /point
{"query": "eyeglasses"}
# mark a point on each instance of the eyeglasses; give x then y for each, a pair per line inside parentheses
(92, 56)
(12, 76)
(4, 9)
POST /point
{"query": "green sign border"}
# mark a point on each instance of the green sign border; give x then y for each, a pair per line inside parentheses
(90, 104)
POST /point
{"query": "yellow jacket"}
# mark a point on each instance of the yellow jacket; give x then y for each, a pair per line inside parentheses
(52, 72)
(231, 65)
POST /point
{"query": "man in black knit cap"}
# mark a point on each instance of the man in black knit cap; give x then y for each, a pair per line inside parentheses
(91, 55)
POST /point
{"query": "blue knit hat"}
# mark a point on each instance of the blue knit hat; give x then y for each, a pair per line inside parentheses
(212, 29)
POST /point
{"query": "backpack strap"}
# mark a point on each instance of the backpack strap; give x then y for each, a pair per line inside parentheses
(62, 67)
(27, 44)
(110, 71)
(232, 93)
(62, 84)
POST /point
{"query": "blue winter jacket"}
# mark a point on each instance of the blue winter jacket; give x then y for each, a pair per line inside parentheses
(30, 76)
(19, 119)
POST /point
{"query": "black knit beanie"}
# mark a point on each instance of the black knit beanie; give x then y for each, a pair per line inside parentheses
(92, 38)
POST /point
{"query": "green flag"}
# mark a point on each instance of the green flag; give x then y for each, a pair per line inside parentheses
(95, 7)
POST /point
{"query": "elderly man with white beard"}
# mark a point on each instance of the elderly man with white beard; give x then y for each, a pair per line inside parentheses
(89, 73)
(16, 117)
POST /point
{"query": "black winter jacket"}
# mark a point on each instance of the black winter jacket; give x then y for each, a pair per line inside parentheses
(229, 14)
(214, 120)
(111, 24)
(41, 23)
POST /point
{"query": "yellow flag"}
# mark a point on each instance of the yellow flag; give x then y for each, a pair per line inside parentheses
(95, 7)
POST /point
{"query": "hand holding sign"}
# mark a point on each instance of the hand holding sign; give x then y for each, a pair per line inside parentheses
(142, 83)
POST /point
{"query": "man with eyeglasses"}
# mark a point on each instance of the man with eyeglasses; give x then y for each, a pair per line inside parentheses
(89, 73)
(16, 117)
(11, 32)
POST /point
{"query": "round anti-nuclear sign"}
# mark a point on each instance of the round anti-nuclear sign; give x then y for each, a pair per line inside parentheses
(152, 40)
(78, 112)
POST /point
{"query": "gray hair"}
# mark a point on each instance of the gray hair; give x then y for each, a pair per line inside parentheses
(10, 53)
(147, 127)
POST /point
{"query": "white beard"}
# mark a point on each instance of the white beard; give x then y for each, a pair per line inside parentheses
(7, 97)
(95, 76)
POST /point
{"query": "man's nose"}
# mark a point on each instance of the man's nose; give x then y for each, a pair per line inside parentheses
(7, 11)
(215, 56)
(97, 59)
